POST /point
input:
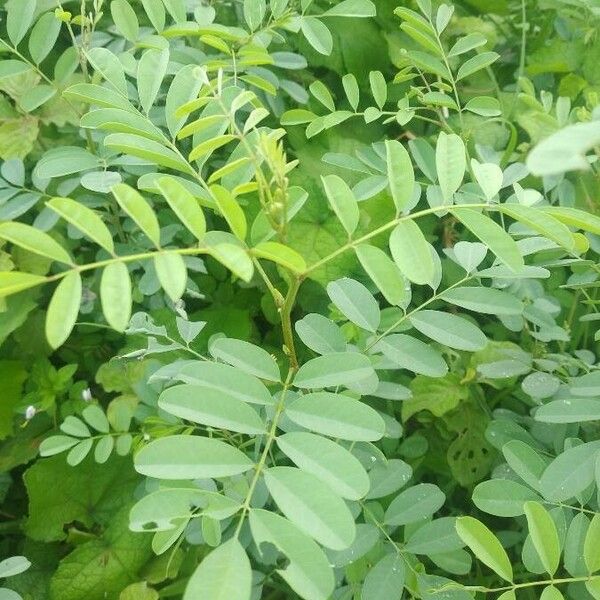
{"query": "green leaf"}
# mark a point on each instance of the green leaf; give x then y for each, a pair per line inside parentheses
(435, 537)
(110, 67)
(384, 273)
(311, 505)
(225, 574)
(492, 235)
(141, 147)
(484, 106)
(190, 457)
(234, 258)
(409, 353)
(412, 253)
(207, 406)
(414, 504)
(387, 478)
(351, 89)
(254, 13)
(247, 357)
(155, 10)
(378, 88)
(184, 205)
(574, 217)
(328, 461)
(317, 35)
(466, 43)
(177, 9)
(332, 370)
(484, 300)
(231, 211)
(320, 334)
(34, 240)
(95, 417)
(448, 329)
(125, 19)
(570, 472)
(342, 201)
(450, 163)
(115, 294)
(151, 71)
(19, 18)
(401, 176)
(502, 497)
(204, 149)
(543, 535)
(352, 8)
(227, 380)
(489, 176)
(12, 282)
(542, 222)
(172, 273)
(85, 219)
(63, 309)
(476, 63)
(280, 254)
(139, 210)
(307, 571)
(551, 593)
(97, 95)
(121, 121)
(185, 87)
(575, 410)
(337, 416)
(385, 580)
(485, 546)
(591, 555)
(43, 37)
(355, 302)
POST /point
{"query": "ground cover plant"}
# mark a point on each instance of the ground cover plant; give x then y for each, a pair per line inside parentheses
(299, 299)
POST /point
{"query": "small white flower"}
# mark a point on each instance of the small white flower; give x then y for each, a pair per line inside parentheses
(30, 412)
(87, 395)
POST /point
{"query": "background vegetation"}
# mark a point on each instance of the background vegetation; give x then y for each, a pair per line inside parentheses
(298, 299)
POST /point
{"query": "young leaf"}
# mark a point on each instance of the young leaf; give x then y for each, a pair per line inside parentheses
(151, 71)
(139, 210)
(342, 201)
(411, 253)
(312, 506)
(85, 219)
(231, 211)
(337, 416)
(172, 273)
(485, 546)
(190, 457)
(225, 574)
(543, 535)
(63, 309)
(184, 205)
(33, 240)
(115, 294)
(247, 357)
(283, 255)
(492, 235)
(355, 302)
(401, 176)
(450, 162)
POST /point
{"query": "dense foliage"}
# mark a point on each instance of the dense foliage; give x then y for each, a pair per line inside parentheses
(299, 299)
